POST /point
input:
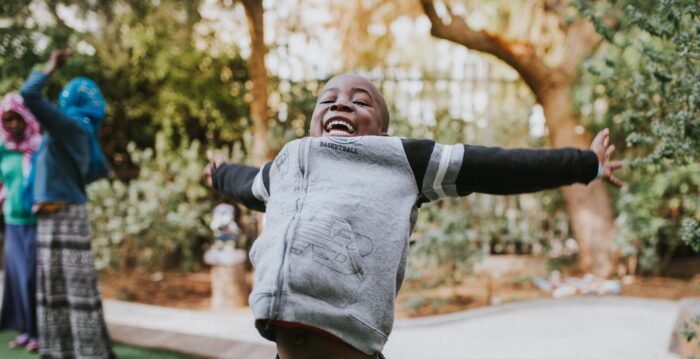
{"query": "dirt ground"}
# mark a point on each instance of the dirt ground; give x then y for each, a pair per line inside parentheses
(192, 291)
(169, 289)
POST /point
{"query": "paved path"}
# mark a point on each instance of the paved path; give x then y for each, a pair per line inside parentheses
(578, 328)
(202, 333)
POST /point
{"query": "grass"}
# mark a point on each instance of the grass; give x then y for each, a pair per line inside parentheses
(122, 351)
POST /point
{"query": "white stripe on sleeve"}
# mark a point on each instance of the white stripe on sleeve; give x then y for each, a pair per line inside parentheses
(259, 190)
(442, 169)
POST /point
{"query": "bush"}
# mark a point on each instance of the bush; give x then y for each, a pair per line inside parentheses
(654, 211)
(157, 219)
(447, 248)
(644, 84)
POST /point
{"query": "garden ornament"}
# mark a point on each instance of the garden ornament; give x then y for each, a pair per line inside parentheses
(223, 251)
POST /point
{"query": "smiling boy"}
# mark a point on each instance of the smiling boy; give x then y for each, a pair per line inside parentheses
(341, 205)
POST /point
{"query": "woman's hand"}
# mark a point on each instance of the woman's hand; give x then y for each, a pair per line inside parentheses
(58, 60)
(603, 151)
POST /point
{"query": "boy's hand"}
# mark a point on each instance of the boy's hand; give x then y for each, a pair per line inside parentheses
(603, 151)
(58, 60)
(215, 160)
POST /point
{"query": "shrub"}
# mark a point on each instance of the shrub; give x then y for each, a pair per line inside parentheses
(157, 219)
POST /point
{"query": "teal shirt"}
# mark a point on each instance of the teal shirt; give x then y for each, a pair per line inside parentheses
(12, 178)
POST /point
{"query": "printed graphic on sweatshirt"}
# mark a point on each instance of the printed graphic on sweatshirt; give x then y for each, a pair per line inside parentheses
(327, 262)
(282, 161)
(336, 147)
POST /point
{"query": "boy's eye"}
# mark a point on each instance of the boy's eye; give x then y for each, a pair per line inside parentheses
(327, 101)
(361, 103)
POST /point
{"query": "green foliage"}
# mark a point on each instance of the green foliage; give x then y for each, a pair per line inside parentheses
(448, 242)
(157, 219)
(644, 85)
(17, 45)
(690, 331)
(150, 63)
(454, 234)
(656, 213)
(186, 91)
(292, 104)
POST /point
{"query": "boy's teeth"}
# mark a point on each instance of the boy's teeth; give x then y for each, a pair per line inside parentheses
(347, 126)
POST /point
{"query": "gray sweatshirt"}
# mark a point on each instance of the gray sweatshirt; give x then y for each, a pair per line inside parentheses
(340, 211)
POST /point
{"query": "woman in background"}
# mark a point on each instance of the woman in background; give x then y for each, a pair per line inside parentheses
(19, 139)
(69, 307)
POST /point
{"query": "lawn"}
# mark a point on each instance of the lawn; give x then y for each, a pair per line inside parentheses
(122, 351)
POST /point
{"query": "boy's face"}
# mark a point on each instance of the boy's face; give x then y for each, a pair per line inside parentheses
(349, 105)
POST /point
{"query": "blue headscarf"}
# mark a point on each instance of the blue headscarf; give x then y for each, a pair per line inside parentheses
(82, 99)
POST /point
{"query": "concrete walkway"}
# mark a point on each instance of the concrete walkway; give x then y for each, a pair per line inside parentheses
(200, 333)
(577, 328)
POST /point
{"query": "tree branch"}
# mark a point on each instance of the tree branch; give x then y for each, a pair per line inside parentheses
(559, 8)
(519, 55)
(581, 39)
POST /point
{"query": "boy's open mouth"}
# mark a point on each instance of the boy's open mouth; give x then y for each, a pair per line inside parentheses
(338, 126)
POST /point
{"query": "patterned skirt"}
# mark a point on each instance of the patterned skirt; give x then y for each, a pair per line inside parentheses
(69, 308)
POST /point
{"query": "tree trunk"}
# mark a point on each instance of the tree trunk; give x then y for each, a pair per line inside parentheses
(589, 207)
(261, 120)
(258, 76)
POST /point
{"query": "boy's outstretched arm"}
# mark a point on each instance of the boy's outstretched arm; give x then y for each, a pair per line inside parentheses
(243, 184)
(462, 169)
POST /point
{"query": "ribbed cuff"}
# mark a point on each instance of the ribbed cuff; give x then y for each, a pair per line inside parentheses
(601, 171)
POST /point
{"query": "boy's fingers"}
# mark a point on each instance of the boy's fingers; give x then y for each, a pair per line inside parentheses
(609, 152)
(614, 181)
(606, 139)
(207, 173)
(615, 165)
(598, 138)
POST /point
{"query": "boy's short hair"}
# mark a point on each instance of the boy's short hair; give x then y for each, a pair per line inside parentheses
(385, 112)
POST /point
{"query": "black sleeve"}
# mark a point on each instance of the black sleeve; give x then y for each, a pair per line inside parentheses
(511, 171)
(238, 182)
(418, 153)
(458, 170)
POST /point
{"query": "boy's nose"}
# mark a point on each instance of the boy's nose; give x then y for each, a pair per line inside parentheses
(341, 106)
